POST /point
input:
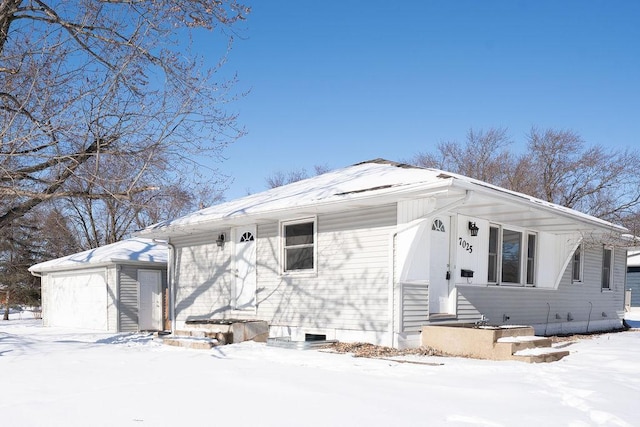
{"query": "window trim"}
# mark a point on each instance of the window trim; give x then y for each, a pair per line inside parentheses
(283, 247)
(579, 249)
(524, 256)
(609, 288)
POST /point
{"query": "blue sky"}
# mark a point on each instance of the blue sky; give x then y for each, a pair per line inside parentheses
(337, 82)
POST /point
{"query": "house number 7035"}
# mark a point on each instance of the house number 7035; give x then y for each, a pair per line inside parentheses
(465, 245)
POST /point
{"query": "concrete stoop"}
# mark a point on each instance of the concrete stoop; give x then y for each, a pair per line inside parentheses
(493, 343)
(206, 334)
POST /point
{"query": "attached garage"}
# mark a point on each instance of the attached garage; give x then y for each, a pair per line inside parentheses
(115, 288)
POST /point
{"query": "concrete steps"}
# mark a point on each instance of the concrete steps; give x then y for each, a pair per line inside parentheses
(206, 334)
(494, 343)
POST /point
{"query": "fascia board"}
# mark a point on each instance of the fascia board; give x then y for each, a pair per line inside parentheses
(532, 202)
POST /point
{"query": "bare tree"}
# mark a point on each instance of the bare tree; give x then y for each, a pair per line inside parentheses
(84, 82)
(280, 178)
(557, 167)
(604, 183)
(484, 156)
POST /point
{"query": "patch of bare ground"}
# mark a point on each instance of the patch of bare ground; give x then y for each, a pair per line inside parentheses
(563, 338)
(361, 349)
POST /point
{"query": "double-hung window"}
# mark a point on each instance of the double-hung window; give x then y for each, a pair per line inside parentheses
(512, 256)
(298, 239)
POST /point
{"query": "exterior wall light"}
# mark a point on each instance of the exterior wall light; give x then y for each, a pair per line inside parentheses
(220, 240)
(473, 229)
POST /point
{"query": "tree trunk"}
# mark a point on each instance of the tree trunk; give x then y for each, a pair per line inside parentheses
(6, 307)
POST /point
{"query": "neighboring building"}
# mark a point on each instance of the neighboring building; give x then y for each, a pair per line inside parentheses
(374, 251)
(633, 277)
(113, 288)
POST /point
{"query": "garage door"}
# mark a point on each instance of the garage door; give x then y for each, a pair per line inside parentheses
(77, 300)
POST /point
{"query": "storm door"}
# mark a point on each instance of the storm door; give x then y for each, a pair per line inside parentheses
(245, 268)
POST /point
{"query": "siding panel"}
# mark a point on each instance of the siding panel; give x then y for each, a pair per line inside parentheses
(350, 289)
(203, 279)
(415, 307)
(128, 300)
(572, 306)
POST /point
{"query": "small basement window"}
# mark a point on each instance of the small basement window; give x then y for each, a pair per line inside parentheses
(315, 337)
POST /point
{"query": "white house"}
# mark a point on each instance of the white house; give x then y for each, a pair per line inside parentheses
(113, 288)
(374, 251)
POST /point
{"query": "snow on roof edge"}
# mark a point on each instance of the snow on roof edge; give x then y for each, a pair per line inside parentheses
(243, 206)
(134, 250)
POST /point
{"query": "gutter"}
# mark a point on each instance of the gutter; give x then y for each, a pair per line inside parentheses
(392, 265)
(171, 285)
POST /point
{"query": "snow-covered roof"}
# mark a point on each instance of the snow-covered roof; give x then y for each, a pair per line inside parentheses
(127, 251)
(633, 259)
(363, 184)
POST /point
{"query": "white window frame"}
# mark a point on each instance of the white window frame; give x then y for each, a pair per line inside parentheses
(283, 247)
(580, 250)
(610, 266)
(524, 256)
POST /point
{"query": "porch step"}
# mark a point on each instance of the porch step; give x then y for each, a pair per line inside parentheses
(206, 334)
(510, 345)
(494, 343)
(222, 337)
(540, 355)
(191, 342)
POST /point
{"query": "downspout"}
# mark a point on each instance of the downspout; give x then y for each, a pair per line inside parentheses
(170, 284)
(392, 248)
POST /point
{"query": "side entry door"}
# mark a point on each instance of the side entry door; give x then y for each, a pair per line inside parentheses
(150, 300)
(439, 272)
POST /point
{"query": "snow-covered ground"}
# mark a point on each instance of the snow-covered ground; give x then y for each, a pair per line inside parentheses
(57, 377)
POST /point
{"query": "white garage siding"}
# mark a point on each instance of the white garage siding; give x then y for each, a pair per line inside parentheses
(128, 300)
(77, 299)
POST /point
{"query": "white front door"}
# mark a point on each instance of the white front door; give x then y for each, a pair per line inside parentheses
(150, 300)
(245, 269)
(439, 266)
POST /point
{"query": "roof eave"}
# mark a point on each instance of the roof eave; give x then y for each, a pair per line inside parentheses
(573, 215)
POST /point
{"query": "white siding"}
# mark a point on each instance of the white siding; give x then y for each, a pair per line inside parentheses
(203, 278)
(415, 307)
(350, 289)
(112, 298)
(551, 309)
